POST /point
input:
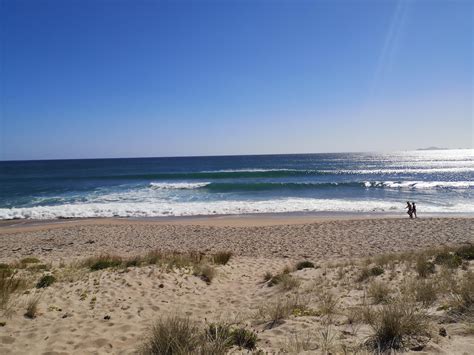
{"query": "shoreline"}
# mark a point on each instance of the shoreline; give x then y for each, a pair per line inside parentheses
(254, 219)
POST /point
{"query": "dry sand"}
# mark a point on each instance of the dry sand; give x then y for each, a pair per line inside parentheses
(71, 312)
(284, 238)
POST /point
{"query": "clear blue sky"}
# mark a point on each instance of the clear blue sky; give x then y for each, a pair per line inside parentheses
(109, 78)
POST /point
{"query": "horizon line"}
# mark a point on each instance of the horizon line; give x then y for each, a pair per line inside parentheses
(231, 155)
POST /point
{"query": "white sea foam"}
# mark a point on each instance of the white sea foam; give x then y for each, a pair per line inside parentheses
(249, 170)
(178, 185)
(167, 208)
(422, 185)
(401, 171)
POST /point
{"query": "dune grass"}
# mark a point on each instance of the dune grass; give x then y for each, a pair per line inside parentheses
(448, 259)
(394, 324)
(424, 267)
(103, 261)
(221, 258)
(172, 335)
(304, 265)
(32, 306)
(462, 298)
(10, 284)
(204, 272)
(46, 281)
(379, 291)
(424, 291)
(465, 252)
(275, 312)
(199, 263)
(181, 335)
(367, 272)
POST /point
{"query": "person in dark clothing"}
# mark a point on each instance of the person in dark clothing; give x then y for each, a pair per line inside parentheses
(410, 209)
(413, 208)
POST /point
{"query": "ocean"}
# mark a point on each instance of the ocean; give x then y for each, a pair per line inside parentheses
(440, 181)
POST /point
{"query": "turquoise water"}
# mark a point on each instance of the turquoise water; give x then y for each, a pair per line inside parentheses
(439, 181)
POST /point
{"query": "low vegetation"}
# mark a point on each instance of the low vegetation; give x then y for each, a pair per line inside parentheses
(10, 283)
(32, 307)
(244, 338)
(204, 272)
(104, 261)
(448, 259)
(379, 291)
(424, 267)
(367, 272)
(173, 335)
(462, 298)
(275, 312)
(424, 291)
(395, 325)
(285, 281)
(392, 300)
(466, 252)
(221, 258)
(327, 304)
(46, 281)
(198, 262)
(304, 265)
(29, 260)
(179, 335)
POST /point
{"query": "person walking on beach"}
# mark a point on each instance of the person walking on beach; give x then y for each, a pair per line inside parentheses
(410, 209)
(413, 209)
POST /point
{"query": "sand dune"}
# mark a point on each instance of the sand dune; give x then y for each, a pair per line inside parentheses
(111, 311)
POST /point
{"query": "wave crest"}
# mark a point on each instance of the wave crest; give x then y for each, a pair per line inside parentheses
(232, 207)
(178, 185)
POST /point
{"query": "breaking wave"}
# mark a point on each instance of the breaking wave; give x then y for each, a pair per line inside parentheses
(166, 208)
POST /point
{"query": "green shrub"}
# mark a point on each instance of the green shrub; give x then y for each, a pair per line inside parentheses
(366, 272)
(267, 276)
(286, 281)
(30, 260)
(466, 252)
(304, 265)
(32, 307)
(275, 312)
(171, 336)
(376, 271)
(204, 272)
(221, 257)
(103, 262)
(10, 283)
(447, 259)
(394, 324)
(38, 267)
(132, 262)
(425, 291)
(45, 281)
(6, 270)
(217, 330)
(379, 291)
(217, 340)
(463, 296)
(274, 280)
(424, 267)
(244, 338)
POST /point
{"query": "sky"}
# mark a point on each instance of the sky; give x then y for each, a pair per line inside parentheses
(112, 78)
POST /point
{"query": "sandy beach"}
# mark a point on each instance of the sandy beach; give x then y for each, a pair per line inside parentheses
(111, 310)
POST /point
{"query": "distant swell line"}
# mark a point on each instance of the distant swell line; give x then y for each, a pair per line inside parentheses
(263, 186)
(199, 175)
(242, 174)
